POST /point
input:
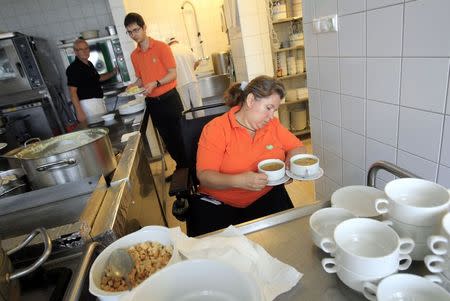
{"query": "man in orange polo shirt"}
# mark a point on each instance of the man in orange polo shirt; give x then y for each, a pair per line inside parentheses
(155, 68)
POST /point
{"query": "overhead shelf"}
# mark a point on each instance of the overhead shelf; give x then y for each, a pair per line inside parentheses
(292, 76)
(286, 20)
(289, 48)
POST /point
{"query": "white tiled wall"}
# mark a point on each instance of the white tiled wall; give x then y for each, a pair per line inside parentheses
(388, 69)
(55, 20)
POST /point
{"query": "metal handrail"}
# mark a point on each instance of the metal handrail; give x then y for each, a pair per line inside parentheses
(389, 167)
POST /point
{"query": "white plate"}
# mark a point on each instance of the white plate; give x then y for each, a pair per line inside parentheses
(131, 107)
(310, 178)
(278, 182)
(127, 93)
(3, 145)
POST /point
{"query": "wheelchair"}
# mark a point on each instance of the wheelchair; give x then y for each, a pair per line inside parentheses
(184, 180)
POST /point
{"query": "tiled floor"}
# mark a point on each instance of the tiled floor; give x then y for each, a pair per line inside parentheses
(301, 192)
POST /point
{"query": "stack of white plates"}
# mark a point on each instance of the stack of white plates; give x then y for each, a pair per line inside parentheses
(131, 107)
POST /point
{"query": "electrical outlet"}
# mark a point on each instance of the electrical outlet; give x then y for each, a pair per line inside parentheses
(325, 24)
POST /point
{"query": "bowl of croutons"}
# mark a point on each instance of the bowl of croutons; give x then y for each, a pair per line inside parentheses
(151, 250)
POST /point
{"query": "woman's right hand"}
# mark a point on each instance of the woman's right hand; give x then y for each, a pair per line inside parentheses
(252, 180)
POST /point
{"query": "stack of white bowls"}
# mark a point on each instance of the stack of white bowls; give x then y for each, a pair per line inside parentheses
(297, 8)
(415, 208)
(282, 63)
(439, 262)
(365, 250)
(291, 65)
(302, 92)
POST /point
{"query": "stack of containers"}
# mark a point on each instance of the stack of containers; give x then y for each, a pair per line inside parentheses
(291, 65)
(299, 61)
(299, 117)
(279, 10)
(297, 8)
(281, 63)
(296, 39)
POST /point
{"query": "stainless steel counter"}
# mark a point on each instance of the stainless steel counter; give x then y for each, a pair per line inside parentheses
(286, 237)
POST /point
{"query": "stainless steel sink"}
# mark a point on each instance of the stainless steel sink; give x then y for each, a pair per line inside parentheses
(214, 85)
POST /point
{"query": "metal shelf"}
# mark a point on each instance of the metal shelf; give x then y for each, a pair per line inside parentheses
(299, 100)
(286, 20)
(289, 48)
(291, 76)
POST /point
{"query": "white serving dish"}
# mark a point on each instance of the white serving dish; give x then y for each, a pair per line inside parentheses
(198, 279)
(150, 233)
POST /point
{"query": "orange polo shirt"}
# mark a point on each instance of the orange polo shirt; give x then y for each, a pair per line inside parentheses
(153, 64)
(226, 147)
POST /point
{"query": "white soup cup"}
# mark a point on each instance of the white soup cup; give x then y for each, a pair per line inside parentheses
(404, 287)
(415, 201)
(272, 175)
(304, 170)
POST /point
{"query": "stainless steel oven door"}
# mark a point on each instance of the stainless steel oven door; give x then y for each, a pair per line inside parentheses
(12, 74)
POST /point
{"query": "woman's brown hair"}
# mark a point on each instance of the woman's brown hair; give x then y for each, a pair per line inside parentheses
(261, 86)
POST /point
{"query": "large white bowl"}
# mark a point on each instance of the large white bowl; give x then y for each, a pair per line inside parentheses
(197, 280)
(150, 233)
(358, 199)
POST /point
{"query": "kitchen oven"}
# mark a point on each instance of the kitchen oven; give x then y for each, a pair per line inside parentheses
(29, 80)
(106, 53)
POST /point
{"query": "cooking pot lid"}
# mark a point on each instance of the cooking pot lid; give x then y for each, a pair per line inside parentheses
(60, 144)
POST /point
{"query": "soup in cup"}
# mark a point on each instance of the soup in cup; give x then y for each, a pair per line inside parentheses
(273, 168)
(304, 165)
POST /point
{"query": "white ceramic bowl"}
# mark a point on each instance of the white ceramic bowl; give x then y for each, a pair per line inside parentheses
(368, 247)
(304, 170)
(405, 287)
(358, 199)
(439, 244)
(150, 233)
(197, 280)
(419, 234)
(414, 201)
(351, 279)
(272, 175)
(323, 222)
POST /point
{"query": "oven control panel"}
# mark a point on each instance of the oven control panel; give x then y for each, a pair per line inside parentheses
(29, 65)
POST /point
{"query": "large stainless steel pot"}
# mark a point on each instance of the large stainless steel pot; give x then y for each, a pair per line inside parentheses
(67, 158)
(9, 286)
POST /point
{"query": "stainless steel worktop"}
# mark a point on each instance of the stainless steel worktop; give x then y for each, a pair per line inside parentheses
(286, 237)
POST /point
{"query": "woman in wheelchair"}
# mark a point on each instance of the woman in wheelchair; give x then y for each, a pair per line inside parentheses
(229, 150)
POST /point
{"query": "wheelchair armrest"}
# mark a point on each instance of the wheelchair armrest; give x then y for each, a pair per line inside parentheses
(180, 182)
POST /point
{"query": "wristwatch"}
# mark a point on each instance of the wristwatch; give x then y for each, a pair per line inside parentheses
(158, 84)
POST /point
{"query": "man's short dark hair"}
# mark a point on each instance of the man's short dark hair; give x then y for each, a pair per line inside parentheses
(132, 18)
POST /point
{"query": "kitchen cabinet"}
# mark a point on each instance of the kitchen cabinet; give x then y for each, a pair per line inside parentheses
(286, 32)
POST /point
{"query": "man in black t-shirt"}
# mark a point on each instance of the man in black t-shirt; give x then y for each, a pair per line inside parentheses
(84, 83)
